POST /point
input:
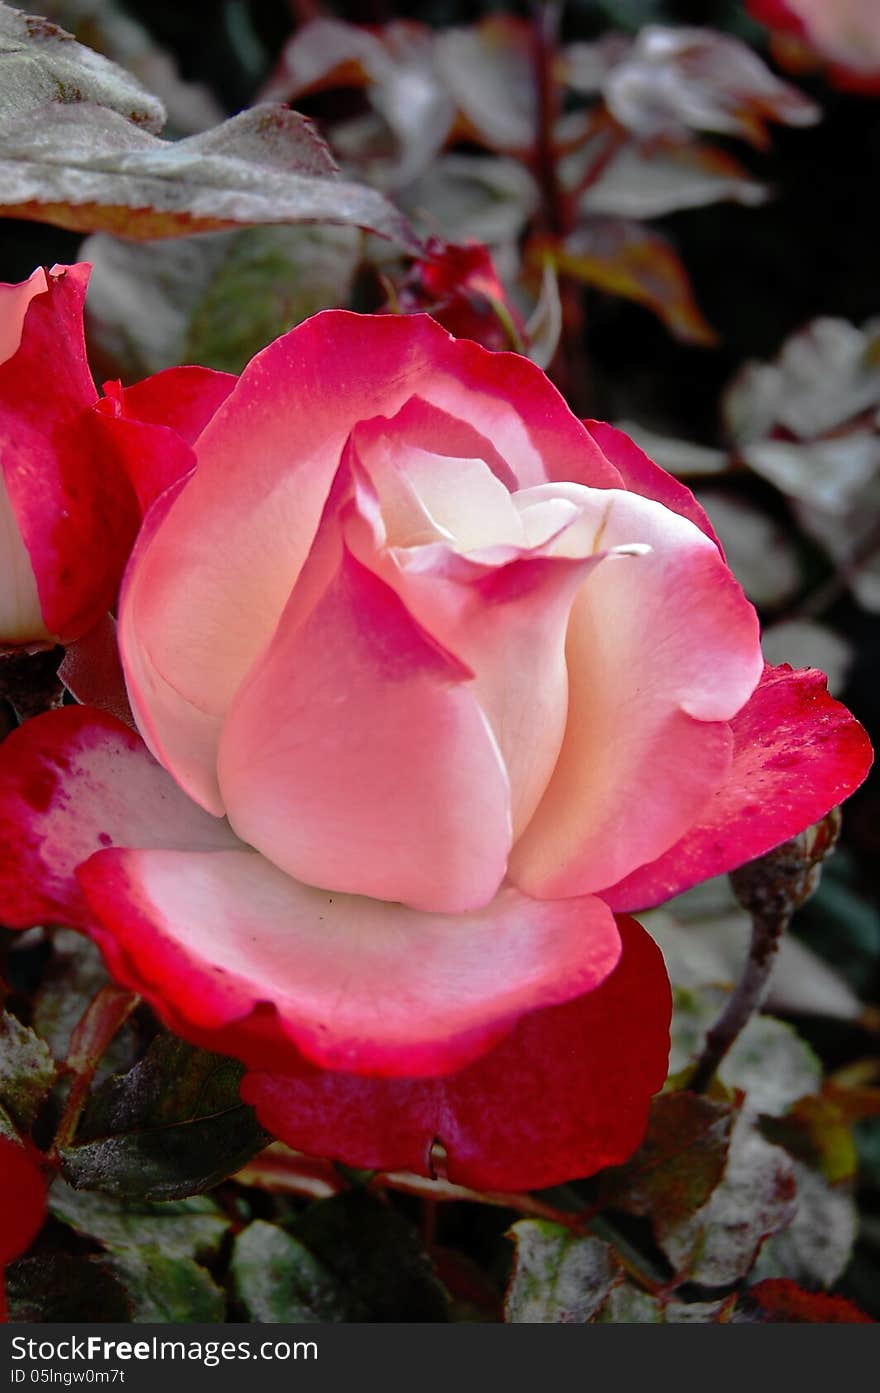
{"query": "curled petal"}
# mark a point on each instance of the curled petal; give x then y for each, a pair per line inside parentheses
(14, 301)
(797, 753)
(641, 475)
(661, 654)
(153, 426)
(242, 958)
(565, 1094)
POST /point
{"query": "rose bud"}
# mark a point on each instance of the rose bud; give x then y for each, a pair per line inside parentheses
(460, 288)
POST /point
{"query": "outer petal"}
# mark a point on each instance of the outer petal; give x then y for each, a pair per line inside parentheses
(14, 301)
(183, 736)
(22, 1205)
(153, 425)
(355, 756)
(641, 475)
(661, 654)
(797, 754)
(217, 575)
(74, 507)
(214, 939)
(565, 1094)
(73, 781)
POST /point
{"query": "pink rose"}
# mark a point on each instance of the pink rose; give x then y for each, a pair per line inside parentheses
(435, 679)
(75, 473)
(846, 33)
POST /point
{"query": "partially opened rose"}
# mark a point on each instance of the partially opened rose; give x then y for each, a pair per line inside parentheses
(76, 472)
(435, 679)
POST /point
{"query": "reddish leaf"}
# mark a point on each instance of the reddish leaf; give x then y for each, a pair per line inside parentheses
(778, 1299)
(679, 1163)
(624, 258)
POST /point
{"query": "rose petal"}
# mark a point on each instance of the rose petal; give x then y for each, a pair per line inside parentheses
(797, 754)
(217, 574)
(182, 736)
(661, 653)
(356, 756)
(73, 506)
(21, 614)
(153, 425)
(214, 939)
(564, 1095)
(73, 781)
(641, 475)
(22, 1205)
(14, 301)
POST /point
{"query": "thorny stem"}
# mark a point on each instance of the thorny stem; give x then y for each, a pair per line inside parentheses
(102, 1018)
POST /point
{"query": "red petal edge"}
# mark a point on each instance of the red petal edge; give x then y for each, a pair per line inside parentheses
(22, 1205)
(797, 754)
(564, 1095)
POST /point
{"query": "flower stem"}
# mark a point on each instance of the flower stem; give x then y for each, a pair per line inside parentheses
(771, 889)
(101, 1020)
(745, 1000)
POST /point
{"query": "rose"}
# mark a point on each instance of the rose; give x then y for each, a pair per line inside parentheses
(465, 677)
(75, 473)
(845, 32)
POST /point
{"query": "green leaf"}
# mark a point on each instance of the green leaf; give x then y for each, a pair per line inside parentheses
(626, 1305)
(271, 279)
(56, 1287)
(756, 1198)
(27, 1070)
(558, 1277)
(41, 63)
(172, 1126)
(165, 1288)
(818, 1243)
(679, 1163)
(277, 1279)
(375, 1255)
(180, 1228)
(214, 299)
(88, 169)
(772, 1065)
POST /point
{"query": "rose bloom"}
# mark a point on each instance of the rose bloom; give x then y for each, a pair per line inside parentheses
(436, 683)
(846, 33)
(76, 472)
